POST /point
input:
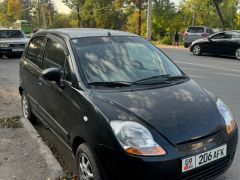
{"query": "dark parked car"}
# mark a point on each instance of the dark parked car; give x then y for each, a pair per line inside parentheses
(124, 108)
(222, 43)
(12, 42)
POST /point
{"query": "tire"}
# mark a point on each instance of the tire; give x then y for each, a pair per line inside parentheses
(197, 50)
(185, 45)
(87, 164)
(237, 53)
(26, 108)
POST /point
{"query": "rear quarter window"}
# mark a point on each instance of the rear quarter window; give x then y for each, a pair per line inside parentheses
(34, 50)
(195, 30)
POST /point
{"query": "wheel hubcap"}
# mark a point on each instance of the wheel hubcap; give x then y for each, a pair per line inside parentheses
(238, 54)
(196, 50)
(85, 168)
(25, 107)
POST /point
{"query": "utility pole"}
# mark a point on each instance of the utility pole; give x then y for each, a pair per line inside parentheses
(149, 20)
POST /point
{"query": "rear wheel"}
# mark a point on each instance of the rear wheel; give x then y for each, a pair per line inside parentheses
(197, 50)
(237, 54)
(26, 108)
(87, 166)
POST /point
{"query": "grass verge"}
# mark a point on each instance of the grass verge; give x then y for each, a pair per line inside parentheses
(11, 122)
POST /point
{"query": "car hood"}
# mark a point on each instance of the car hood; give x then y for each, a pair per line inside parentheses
(180, 113)
(13, 40)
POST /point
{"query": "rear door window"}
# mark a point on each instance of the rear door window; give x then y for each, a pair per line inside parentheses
(195, 30)
(34, 50)
(54, 55)
(218, 36)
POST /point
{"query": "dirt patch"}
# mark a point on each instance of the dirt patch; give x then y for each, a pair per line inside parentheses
(11, 122)
(9, 103)
(69, 175)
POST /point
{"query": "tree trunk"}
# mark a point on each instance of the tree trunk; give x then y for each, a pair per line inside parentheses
(149, 21)
(139, 17)
(193, 19)
(219, 13)
(78, 15)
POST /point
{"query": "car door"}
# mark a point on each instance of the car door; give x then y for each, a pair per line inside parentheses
(31, 69)
(56, 101)
(226, 44)
(230, 43)
(213, 46)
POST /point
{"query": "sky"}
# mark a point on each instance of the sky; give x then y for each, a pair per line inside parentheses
(64, 9)
(61, 7)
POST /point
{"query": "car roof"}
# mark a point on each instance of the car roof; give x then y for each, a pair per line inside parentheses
(83, 32)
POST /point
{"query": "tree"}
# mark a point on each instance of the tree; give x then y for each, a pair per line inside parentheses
(74, 4)
(217, 3)
(140, 6)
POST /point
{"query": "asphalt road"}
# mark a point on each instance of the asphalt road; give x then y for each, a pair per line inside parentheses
(220, 75)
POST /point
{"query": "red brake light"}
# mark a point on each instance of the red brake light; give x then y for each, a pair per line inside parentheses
(185, 34)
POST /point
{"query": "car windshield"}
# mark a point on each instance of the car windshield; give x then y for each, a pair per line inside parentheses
(195, 30)
(11, 34)
(122, 59)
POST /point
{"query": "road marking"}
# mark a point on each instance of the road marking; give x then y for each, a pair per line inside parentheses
(200, 77)
(228, 74)
(202, 70)
(195, 64)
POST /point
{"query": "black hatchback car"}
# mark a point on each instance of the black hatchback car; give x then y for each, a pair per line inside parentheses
(124, 108)
(223, 43)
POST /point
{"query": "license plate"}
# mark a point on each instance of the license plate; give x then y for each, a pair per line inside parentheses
(203, 158)
(17, 50)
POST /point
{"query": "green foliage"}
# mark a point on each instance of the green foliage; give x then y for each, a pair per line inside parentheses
(166, 40)
(128, 15)
(62, 21)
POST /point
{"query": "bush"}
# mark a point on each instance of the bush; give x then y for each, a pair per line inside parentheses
(166, 40)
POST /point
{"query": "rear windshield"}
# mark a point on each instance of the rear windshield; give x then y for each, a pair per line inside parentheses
(11, 34)
(195, 30)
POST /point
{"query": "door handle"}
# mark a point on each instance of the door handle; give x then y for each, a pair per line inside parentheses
(40, 81)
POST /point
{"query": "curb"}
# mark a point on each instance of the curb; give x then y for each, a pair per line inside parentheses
(52, 164)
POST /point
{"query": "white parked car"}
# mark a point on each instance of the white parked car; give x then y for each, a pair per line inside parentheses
(12, 42)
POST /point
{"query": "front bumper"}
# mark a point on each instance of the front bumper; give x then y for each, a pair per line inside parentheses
(11, 51)
(121, 166)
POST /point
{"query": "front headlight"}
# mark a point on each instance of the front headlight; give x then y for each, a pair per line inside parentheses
(227, 116)
(4, 45)
(136, 139)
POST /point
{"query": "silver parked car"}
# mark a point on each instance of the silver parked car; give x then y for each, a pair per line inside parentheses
(12, 42)
(195, 32)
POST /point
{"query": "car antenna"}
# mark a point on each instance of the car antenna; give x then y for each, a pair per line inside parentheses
(109, 34)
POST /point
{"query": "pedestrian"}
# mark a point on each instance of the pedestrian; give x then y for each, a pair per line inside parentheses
(176, 39)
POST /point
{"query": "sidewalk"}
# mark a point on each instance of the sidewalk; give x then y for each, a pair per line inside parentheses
(23, 155)
(170, 46)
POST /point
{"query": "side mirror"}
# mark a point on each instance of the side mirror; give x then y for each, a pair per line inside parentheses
(209, 38)
(52, 74)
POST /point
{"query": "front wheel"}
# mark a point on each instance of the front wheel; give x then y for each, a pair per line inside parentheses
(26, 108)
(87, 165)
(237, 54)
(197, 50)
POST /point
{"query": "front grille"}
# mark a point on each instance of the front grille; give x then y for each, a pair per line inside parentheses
(16, 45)
(207, 172)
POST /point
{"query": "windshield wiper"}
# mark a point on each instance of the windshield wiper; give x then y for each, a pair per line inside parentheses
(164, 78)
(111, 83)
